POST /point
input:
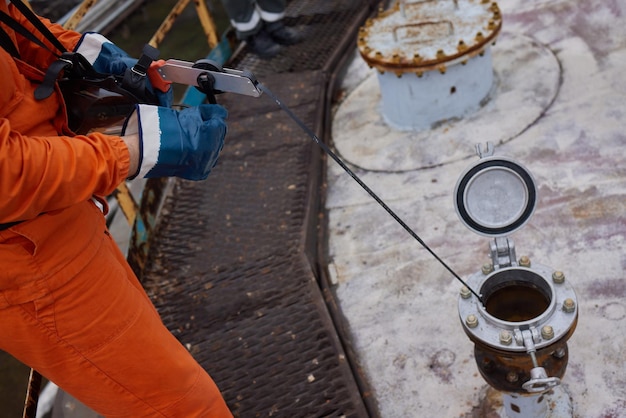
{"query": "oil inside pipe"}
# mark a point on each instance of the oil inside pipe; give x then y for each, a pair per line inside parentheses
(516, 303)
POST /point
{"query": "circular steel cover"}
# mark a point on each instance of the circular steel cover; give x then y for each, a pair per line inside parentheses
(495, 196)
(418, 36)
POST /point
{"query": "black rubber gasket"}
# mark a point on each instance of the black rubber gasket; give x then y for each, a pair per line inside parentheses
(530, 187)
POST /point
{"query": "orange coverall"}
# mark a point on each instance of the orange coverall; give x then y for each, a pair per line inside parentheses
(70, 306)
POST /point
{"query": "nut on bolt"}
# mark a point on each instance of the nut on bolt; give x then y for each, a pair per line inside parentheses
(559, 352)
(512, 377)
(547, 332)
(558, 277)
(524, 261)
(506, 337)
(569, 305)
(471, 321)
(465, 292)
(487, 268)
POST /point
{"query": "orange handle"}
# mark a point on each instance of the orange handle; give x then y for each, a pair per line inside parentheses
(155, 77)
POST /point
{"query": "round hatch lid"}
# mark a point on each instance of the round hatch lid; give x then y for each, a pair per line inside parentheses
(495, 196)
(418, 36)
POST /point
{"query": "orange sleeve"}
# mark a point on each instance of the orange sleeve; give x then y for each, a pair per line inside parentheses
(40, 169)
(41, 174)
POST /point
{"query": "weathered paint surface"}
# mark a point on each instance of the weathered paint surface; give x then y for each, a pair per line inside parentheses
(565, 121)
(422, 35)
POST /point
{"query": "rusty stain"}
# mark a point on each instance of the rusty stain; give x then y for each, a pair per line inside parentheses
(607, 206)
(438, 35)
(491, 402)
(440, 364)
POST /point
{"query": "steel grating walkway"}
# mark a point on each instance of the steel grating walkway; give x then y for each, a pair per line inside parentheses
(233, 268)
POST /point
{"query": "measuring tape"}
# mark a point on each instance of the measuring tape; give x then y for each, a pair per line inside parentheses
(365, 187)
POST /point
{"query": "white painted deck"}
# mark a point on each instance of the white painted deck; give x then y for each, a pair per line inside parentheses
(559, 108)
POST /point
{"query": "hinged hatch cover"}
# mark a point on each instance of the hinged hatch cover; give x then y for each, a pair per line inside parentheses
(496, 196)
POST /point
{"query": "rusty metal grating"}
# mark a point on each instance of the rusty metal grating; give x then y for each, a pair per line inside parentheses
(322, 22)
(263, 340)
(230, 269)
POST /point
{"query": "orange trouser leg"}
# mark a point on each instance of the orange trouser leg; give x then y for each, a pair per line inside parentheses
(100, 339)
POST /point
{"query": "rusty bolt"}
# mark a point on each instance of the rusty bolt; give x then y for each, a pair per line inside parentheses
(471, 321)
(441, 54)
(461, 46)
(524, 261)
(479, 37)
(491, 25)
(512, 377)
(558, 277)
(395, 58)
(569, 305)
(547, 332)
(417, 58)
(465, 292)
(419, 73)
(442, 69)
(487, 268)
(506, 337)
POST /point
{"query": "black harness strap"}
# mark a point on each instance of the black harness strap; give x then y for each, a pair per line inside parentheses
(7, 44)
(46, 88)
(32, 17)
(66, 60)
(17, 27)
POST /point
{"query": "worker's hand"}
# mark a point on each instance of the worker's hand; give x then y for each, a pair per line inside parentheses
(108, 58)
(173, 143)
(104, 55)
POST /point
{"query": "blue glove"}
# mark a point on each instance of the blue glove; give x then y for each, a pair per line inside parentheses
(183, 143)
(108, 58)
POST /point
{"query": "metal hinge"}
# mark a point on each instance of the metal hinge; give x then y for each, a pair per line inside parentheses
(503, 253)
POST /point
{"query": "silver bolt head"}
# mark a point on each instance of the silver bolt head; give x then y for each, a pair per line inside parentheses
(547, 332)
(506, 337)
(558, 277)
(569, 305)
(524, 261)
(465, 292)
(487, 268)
(471, 321)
